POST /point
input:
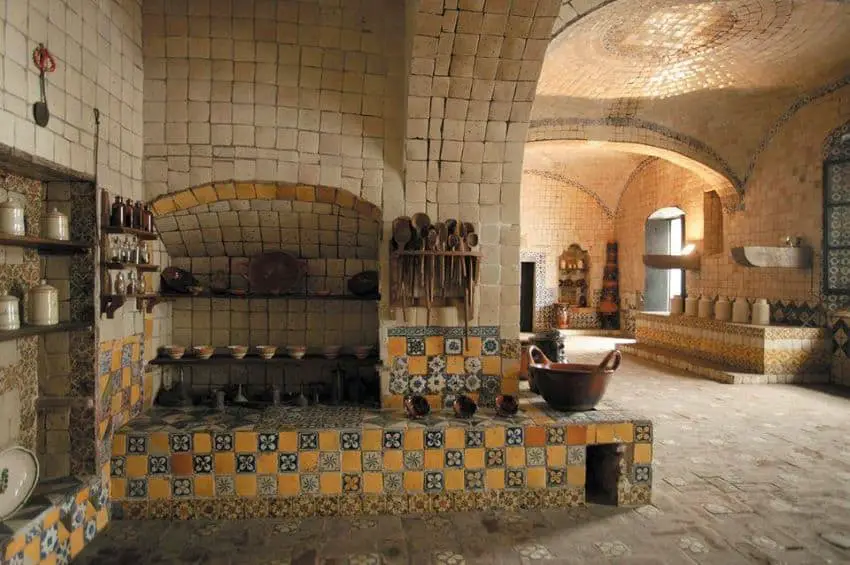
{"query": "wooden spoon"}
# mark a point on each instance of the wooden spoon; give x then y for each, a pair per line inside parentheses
(402, 234)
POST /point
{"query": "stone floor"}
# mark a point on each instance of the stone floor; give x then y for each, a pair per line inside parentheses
(742, 474)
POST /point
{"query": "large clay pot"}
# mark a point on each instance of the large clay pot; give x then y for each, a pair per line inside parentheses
(570, 386)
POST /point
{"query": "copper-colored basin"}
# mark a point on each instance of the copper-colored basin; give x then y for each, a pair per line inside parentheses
(570, 386)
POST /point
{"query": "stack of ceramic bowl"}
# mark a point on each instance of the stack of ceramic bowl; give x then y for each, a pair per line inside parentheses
(362, 351)
(296, 351)
(266, 351)
(238, 351)
(331, 351)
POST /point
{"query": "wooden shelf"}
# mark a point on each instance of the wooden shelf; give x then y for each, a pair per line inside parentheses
(141, 234)
(137, 266)
(28, 331)
(689, 262)
(48, 246)
(249, 296)
(109, 303)
(281, 358)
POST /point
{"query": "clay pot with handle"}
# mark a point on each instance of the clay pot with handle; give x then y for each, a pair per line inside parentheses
(571, 386)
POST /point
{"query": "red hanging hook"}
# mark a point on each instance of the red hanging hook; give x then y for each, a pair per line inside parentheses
(43, 59)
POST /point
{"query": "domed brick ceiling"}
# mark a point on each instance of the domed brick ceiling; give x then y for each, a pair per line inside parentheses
(706, 79)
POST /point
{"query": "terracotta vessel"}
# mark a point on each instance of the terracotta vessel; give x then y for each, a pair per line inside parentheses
(571, 386)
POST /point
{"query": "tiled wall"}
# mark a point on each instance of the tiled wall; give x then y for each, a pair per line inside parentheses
(123, 390)
(72, 517)
(747, 348)
(556, 214)
(440, 363)
(299, 91)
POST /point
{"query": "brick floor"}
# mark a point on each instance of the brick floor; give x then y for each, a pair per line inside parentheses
(742, 475)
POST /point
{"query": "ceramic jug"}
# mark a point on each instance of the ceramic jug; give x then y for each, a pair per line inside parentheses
(705, 308)
(56, 225)
(677, 304)
(722, 309)
(741, 311)
(691, 306)
(12, 218)
(10, 318)
(43, 305)
(761, 312)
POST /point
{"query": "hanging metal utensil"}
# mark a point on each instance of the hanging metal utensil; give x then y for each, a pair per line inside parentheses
(402, 235)
(443, 246)
(45, 63)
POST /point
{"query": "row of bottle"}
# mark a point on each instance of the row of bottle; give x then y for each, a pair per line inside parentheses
(128, 215)
(126, 251)
(122, 284)
(722, 309)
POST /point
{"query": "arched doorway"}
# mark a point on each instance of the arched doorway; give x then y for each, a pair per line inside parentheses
(664, 235)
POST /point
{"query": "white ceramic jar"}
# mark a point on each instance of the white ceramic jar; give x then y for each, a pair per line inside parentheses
(677, 304)
(56, 226)
(10, 317)
(705, 308)
(43, 305)
(741, 311)
(12, 218)
(691, 306)
(723, 309)
(761, 312)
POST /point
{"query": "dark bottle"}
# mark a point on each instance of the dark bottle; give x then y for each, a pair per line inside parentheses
(148, 219)
(117, 217)
(128, 213)
(138, 216)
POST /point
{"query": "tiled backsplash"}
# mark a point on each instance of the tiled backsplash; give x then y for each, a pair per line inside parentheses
(440, 363)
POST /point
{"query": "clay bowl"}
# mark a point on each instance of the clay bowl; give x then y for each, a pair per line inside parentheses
(321, 293)
(296, 351)
(331, 351)
(571, 387)
(266, 351)
(174, 351)
(203, 351)
(363, 351)
(238, 351)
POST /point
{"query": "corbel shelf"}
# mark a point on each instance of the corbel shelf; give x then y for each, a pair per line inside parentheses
(144, 267)
(109, 303)
(28, 330)
(691, 262)
(141, 234)
(44, 245)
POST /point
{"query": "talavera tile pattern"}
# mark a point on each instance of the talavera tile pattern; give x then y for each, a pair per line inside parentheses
(740, 347)
(60, 519)
(179, 463)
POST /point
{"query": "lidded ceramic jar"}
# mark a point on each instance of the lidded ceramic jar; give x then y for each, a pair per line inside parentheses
(761, 312)
(677, 304)
(12, 218)
(10, 318)
(723, 309)
(705, 308)
(56, 225)
(741, 311)
(691, 306)
(43, 305)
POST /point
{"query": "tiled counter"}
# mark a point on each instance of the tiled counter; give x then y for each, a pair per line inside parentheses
(187, 463)
(60, 518)
(772, 350)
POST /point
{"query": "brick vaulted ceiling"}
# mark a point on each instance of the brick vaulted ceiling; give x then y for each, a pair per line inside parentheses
(710, 81)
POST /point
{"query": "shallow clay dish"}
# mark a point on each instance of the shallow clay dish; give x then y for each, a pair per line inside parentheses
(274, 273)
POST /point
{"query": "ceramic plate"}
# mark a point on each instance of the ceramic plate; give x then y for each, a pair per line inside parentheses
(276, 272)
(18, 477)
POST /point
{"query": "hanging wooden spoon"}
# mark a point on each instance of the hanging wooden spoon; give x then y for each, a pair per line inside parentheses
(443, 245)
(402, 234)
(472, 242)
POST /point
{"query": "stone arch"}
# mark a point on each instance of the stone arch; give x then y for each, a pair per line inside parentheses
(652, 140)
(261, 190)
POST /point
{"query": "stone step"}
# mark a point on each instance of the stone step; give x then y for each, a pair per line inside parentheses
(712, 370)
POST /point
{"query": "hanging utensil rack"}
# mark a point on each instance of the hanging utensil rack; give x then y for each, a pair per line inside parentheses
(436, 267)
